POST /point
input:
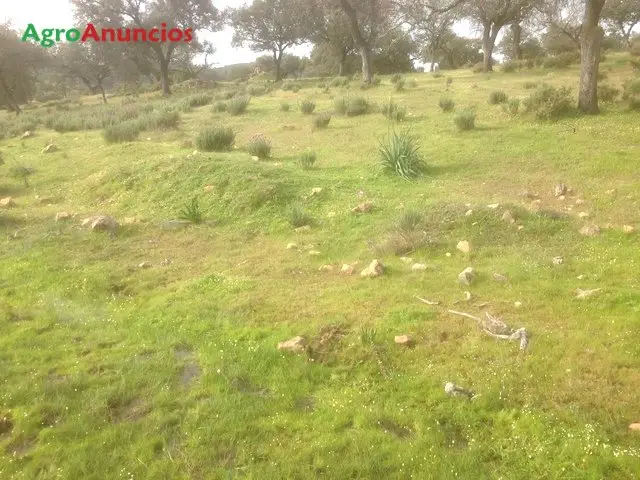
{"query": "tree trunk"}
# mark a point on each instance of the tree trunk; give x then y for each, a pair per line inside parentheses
(277, 60)
(342, 67)
(488, 42)
(104, 97)
(367, 64)
(516, 29)
(164, 75)
(592, 35)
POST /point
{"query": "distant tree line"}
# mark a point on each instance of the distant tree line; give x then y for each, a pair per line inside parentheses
(347, 36)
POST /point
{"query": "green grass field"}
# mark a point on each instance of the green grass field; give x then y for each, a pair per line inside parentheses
(110, 370)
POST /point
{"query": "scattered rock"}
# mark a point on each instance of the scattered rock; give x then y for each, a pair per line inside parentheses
(454, 390)
(562, 198)
(464, 246)
(326, 268)
(613, 191)
(316, 191)
(404, 340)
(448, 254)
(468, 213)
(208, 188)
(508, 217)
(62, 216)
(406, 260)
(314, 253)
(468, 296)
(590, 230)
(144, 265)
(101, 223)
(365, 207)
(254, 157)
(560, 189)
(50, 148)
(520, 227)
(165, 262)
(7, 202)
(26, 134)
(580, 277)
(581, 294)
(628, 229)
(493, 206)
(584, 215)
(375, 269)
(498, 277)
(418, 267)
(304, 228)
(535, 205)
(557, 260)
(347, 269)
(295, 344)
(517, 304)
(291, 246)
(579, 201)
(528, 195)
(466, 276)
(634, 427)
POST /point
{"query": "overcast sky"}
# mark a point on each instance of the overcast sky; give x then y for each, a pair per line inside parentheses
(59, 14)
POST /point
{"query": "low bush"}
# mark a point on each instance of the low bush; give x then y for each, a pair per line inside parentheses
(162, 120)
(352, 106)
(446, 104)
(307, 106)
(307, 159)
(400, 154)
(549, 103)
(220, 107)
(465, 119)
(122, 132)
(256, 90)
(259, 146)
(299, 217)
(321, 120)
(529, 85)
(393, 111)
(199, 100)
(192, 212)
(215, 139)
(607, 93)
(497, 97)
(562, 60)
(395, 78)
(284, 106)
(340, 82)
(512, 106)
(399, 84)
(238, 105)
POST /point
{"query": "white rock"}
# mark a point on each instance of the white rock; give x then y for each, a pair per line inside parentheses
(326, 268)
(314, 253)
(406, 260)
(347, 269)
(291, 246)
(466, 276)
(375, 269)
(493, 206)
(295, 344)
(404, 340)
(62, 216)
(579, 201)
(7, 202)
(628, 229)
(464, 246)
(583, 215)
(517, 304)
(557, 260)
(581, 294)
(469, 212)
(498, 277)
(316, 190)
(144, 265)
(418, 267)
(448, 254)
(590, 230)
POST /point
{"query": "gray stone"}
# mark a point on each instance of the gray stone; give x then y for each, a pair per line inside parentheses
(295, 344)
(466, 276)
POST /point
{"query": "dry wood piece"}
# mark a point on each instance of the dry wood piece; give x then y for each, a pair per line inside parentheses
(496, 328)
(424, 300)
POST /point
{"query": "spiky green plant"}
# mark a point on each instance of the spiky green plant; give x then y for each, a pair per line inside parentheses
(215, 139)
(307, 106)
(192, 212)
(400, 155)
(307, 159)
(446, 104)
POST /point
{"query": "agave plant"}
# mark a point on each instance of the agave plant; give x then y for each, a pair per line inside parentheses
(400, 154)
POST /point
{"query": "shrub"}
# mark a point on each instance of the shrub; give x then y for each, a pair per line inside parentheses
(122, 132)
(199, 100)
(256, 90)
(549, 103)
(299, 217)
(409, 221)
(259, 146)
(307, 159)
(530, 85)
(412, 83)
(192, 212)
(607, 93)
(446, 104)
(226, 94)
(465, 119)
(296, 88)
(376, 81)
(163, 120)
(634, 104)
(631, 88)
(438, 74)
(352, 106)
(393, 111)
(478, 67)
(322, 85)
(497, 97)
(399, 84)
(238, 105)
(20, 172)
(562, 60)
(340, 82)
(284, 106)
(512, 106)
(449, 81)
(321, 120)
(220, 107)
(400, 155)
(215, 139)
(395, 78)
(307, 107)
(509, 66)
(602, 76)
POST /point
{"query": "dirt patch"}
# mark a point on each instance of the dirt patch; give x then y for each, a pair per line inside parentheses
(304, 404)
(391, 426)
(20, 447)
(190, 372)
(6, 425)
(183, 352)
(126, 411)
